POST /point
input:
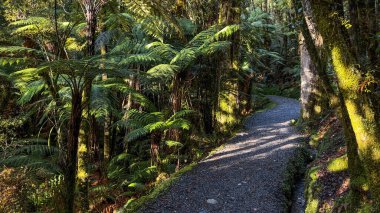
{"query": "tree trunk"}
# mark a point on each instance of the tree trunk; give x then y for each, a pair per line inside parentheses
(84, 136)
(176, 97)
(361, 113)
(229, 102)
(107, 118)
(315, 46)
(72, 151)
(311, 94)
(155, 148)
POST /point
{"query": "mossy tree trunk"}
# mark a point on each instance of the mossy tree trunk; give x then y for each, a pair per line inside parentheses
(319, 54)
(358, 104)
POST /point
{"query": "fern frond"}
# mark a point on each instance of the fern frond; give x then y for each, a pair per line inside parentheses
(137, 133)
(226, 32)
(179, 123)
(15, 51)
(31, 90)
(144, 118)
(173, 144)
(185, 57)
(157, 126)
(163, 71)
(214, 47)
(181, 114)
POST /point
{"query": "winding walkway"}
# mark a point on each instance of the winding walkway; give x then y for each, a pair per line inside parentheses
(244, 176)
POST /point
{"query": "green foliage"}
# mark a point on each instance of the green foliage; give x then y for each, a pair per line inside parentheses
(147, 55)
(144, 123)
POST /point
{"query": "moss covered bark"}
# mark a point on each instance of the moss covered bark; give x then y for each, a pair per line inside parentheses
(361, 113)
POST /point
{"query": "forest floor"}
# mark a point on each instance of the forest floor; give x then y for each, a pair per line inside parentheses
(246, 175)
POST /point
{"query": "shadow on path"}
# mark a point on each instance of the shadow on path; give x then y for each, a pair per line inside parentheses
(245, 176)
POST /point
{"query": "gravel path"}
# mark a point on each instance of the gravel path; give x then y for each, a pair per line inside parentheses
(245, 176)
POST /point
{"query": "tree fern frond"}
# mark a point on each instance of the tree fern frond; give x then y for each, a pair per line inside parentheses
(16, 60)
(179, 123)
(31, 162)
(163, 71)
(143, 118)
(136, 96)
(157, 126)
(185, 57)
(214, 47)
(137, 133)
(181, 114)
(119, 20)
(176, 144)
(32, 89)
(226, 32)
(15, 51)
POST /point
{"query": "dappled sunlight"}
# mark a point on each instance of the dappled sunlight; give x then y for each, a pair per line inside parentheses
(248, 167)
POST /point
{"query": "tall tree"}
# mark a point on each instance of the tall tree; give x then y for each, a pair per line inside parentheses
(358, 103)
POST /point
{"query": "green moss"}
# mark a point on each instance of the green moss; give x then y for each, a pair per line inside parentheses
(313, 172)
(312, 206)
(135, 204)
(314, 140)
(296, 167)
(312, 190)
(216, 150)
(317, 109)
(338, 164)
(226, 115)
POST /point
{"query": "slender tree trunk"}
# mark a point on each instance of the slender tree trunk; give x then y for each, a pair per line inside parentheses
(107, 118)
(83, 144)
(72, 151)
(85, 128)
(361, 113)
(155, 148)
(176, 97)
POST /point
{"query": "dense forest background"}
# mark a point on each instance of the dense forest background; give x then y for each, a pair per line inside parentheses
(104, 100)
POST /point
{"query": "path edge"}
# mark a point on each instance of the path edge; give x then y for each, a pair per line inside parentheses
(139, 203)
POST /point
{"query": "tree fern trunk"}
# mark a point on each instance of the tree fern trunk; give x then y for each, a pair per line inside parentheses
(176, 97)
(107, 118)
(84, 136)
(72, 151)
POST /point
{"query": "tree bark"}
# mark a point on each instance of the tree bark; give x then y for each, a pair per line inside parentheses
(318, 52)
(360, 111)
(72, 151)
(311, 92)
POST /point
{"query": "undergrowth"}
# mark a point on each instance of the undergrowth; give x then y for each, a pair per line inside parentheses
(327, 178)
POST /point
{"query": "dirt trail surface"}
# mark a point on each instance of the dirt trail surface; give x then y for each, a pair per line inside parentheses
(244, 176)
